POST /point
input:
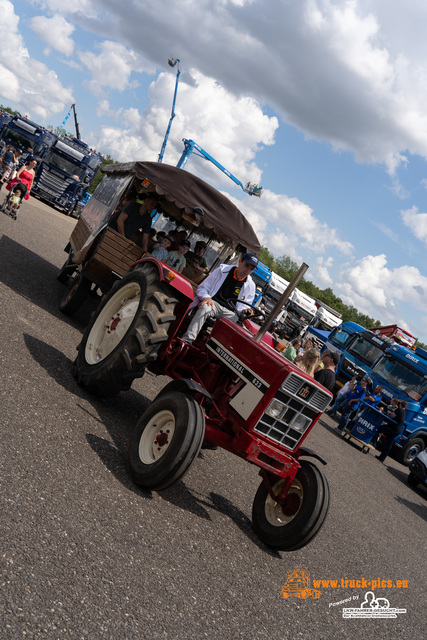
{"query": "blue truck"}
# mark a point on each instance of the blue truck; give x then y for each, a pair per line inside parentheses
(27, 136)
(340, 337)
(261, 276)
(65, 166)
(362, 350)
(65, 173)
(402, 373)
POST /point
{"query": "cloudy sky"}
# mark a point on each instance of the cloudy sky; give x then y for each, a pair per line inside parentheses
(323, 102)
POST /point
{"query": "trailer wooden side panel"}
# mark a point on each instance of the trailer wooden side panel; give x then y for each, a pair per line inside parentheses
(116, 253)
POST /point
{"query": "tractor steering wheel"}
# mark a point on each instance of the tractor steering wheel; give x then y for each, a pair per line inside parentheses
(241, 314)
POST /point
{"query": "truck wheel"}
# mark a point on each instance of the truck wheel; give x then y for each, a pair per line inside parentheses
(71, 209)
(411, 449)
(67, 269)
(296, 523)
(413, 480)
(125, 332)
(166, 441)
(75, 295)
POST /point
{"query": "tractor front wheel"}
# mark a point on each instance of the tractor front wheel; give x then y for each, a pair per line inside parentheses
(166, 441)
(291, 526)
(125, 332)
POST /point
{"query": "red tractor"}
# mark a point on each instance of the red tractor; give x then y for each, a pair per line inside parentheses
(229, 388)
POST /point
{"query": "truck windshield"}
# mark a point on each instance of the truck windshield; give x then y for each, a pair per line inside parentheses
(341, 337)
(259, 282)
(365, 351)
(398, 375)
(19, 140)
(299, 311)
(63, 164)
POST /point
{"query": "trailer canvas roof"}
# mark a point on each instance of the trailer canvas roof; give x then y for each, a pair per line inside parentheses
(180, 191)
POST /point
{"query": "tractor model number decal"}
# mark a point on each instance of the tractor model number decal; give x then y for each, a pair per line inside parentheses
(244, 372)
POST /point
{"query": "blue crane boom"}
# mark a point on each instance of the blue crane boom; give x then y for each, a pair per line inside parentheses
(192, 147)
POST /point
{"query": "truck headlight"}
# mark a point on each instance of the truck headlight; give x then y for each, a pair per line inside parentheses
(300, 423)
(276, 409)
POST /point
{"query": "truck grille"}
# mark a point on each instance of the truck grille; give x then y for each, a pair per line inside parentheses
(292, 411)
(51, 183)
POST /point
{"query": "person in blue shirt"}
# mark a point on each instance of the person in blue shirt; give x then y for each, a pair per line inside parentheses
(372, 399)
(353, 400)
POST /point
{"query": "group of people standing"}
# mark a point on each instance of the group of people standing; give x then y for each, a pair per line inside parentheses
(19, 180)
(320, 366)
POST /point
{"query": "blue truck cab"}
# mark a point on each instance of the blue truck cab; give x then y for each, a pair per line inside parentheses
(361, 352)
(261, 276)
(402, 373)
(340, 337)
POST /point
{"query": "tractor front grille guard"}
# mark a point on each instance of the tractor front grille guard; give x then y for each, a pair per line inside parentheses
(292, 411)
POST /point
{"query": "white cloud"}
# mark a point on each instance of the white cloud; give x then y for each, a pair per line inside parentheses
(26, 83)
(56, 32)
(380, 292)
(113, 66)
(284, 223)
(416, 222)
(230, 128)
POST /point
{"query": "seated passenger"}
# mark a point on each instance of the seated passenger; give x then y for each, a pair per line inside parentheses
(176, 259)
(160, 249)
(195, 258)
(135, 220)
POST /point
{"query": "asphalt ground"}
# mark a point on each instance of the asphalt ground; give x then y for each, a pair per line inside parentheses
(85, 554)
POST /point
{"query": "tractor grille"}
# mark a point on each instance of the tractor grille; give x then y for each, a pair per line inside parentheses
(292, 411)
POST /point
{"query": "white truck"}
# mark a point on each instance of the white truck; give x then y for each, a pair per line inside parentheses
(298, 313)
(325, 320)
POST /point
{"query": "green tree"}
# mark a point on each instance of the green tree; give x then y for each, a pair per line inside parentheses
(99, 175)
(9, 110)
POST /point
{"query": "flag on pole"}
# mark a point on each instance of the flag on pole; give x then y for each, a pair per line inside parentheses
(66, 118)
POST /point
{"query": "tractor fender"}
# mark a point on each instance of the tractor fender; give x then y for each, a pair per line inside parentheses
(184, 385)
(305, 451)
(169, 275)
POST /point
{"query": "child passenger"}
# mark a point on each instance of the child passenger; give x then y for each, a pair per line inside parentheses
(176, 259)
(160, 249)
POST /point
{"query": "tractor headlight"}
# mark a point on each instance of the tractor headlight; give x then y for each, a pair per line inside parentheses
(276, 409)
(300, 423)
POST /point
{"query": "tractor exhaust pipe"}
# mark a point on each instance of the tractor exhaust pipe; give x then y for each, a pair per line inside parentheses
(280, 303)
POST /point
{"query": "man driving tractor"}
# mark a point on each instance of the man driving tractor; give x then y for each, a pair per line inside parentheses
(215, 294)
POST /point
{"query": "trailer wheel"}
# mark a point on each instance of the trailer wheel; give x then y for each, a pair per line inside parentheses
(75, 295)
(67, 269)
(125, 332)
(166, 441)
(411, 449)
(296, 523)
(413, 480)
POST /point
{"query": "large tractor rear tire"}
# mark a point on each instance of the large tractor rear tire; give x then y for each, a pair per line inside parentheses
(293, 525)
(125, 332)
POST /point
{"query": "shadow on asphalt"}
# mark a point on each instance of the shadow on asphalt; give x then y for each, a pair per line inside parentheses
(34, 278)
(182, 497)
(119, 415)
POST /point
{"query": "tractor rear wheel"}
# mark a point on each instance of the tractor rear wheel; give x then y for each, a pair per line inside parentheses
(166, 441)
(125, 332)
(293, 525)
